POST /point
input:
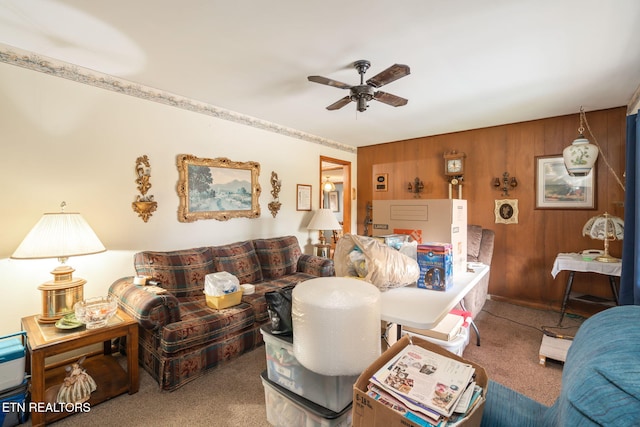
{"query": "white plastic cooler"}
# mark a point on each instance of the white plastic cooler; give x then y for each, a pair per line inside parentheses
(12, 360)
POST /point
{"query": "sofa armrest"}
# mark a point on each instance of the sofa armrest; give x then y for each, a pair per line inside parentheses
(152, 311)
(316, 266)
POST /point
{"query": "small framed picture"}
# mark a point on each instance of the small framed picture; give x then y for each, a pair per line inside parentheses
(506, 211)
(303, 197)
(333, 201)
(556, 189)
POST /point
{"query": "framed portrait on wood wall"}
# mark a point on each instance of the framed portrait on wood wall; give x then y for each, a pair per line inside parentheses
(217, 189)
(556, 189)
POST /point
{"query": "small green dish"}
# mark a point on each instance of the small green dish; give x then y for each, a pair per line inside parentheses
(68, 321)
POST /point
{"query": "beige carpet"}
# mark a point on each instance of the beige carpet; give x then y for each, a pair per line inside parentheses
(510, 342)
(233, 394)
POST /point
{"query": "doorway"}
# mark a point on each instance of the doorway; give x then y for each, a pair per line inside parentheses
(338, 197)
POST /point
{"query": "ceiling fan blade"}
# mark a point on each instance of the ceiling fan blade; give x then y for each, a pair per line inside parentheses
(390, 99)
(328, 82)
(339, 103)
(389, 75)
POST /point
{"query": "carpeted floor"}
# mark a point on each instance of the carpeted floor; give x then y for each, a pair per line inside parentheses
(233, 394)
(510, 342)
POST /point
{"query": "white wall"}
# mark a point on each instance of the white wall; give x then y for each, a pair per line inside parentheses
(63, 140)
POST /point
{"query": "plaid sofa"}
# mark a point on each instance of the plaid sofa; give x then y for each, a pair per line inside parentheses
(180, 337)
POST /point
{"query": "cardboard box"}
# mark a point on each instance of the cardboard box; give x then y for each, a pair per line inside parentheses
(434, 220)
(456, 345)
(224, 301)
(368, 412)
(436, 266)
(447, 329)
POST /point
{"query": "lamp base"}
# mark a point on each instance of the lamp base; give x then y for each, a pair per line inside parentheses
(59, 295)
(607, 258)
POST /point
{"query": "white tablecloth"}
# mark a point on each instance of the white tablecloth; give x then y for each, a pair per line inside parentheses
(574, 262)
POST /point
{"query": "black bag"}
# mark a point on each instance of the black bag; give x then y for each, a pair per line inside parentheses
(279, 308)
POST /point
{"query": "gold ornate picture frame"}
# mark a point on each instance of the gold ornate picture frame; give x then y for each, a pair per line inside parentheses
(217, 189)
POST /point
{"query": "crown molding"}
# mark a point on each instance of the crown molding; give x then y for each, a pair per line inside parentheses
(29, 60)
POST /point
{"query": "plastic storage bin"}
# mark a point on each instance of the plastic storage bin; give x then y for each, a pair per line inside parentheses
(332, 392)
(12, 357)
(14, 404)
(287, 409)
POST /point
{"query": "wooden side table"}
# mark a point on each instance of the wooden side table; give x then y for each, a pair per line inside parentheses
(45, 340)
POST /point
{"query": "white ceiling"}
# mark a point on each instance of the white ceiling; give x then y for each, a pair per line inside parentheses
(474, 63)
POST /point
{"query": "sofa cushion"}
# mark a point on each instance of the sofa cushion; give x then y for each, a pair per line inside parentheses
(278, 256)
(201, 324)
(180, 272)
(239, 259)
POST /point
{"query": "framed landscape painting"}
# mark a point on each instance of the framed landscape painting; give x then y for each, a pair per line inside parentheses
(556, 189)
(217, 189)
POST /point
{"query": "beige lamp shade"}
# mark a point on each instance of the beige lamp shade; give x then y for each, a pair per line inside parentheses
(324, 219)
(59, 235)
(605, 227)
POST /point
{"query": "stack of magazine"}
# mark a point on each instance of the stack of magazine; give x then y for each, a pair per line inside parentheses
(427, 388)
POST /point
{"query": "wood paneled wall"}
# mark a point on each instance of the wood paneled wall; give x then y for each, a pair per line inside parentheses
(524, 252)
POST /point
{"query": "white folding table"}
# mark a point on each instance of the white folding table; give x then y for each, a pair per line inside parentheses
(424, 308)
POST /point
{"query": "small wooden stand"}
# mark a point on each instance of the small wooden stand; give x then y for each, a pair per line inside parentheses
(554, 348)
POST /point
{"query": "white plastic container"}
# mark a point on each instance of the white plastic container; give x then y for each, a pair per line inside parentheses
(12, 360)
(332, 392)
(455, 346)
(286, 409)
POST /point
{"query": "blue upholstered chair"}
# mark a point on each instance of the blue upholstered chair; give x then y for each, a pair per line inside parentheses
(600, 380)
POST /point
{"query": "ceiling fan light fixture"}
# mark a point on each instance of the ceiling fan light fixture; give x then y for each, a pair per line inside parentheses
(362, 104)
(365, 92)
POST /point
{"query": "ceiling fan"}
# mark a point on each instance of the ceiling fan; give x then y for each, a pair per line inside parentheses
(365, 92)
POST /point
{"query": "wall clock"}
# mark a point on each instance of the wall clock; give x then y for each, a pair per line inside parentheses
(454, 163)
(506, 211)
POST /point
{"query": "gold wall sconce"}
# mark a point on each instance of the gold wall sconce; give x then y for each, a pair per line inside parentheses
(144, 205)
(506, 184)
(276, 185)
(416, 187)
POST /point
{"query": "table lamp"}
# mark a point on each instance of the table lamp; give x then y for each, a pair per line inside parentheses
(605, 227)
(324, 219)
(59, 235)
